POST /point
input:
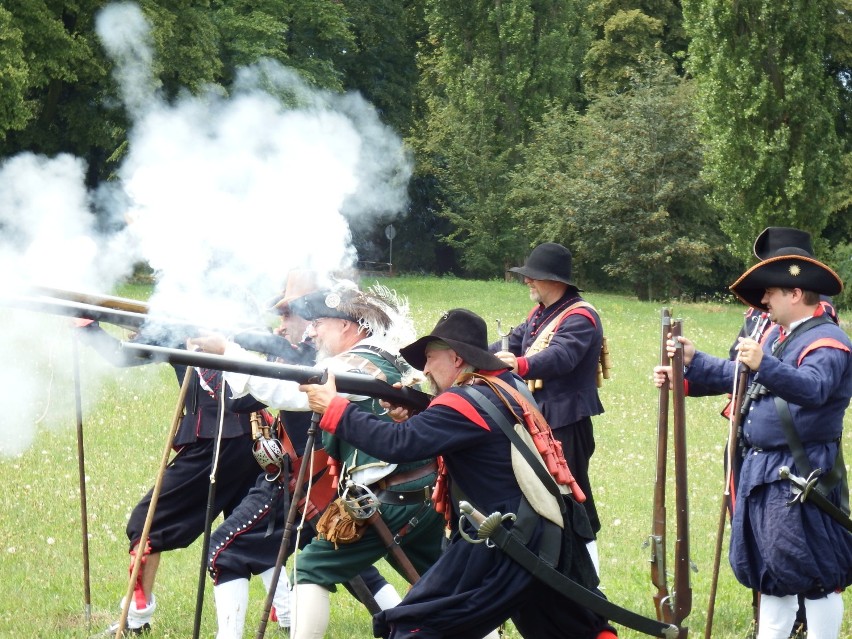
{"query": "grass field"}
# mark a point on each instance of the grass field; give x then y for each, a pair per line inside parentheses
(127, 412)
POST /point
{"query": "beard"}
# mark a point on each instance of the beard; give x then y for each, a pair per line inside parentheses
(429, 386)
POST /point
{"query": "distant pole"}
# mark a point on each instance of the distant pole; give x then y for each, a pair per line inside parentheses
(390, 233)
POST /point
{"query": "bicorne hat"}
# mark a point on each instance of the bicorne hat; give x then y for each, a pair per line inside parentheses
(786, 267)
(548, 261)
(774, 238)
(463, 331)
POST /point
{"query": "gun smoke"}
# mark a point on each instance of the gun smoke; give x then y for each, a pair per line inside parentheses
(220, 194)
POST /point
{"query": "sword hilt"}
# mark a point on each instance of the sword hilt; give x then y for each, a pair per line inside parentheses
(484, 526)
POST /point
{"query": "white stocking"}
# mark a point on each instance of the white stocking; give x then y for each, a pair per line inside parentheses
(387, 597)
(312, 610)
(137, 618)
(824, 616)
(281, 598)
(776, 616)
(231, 600)
(592, 546)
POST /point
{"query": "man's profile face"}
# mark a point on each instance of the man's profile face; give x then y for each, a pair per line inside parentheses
(441, 368)
(544, 291)
(778, 301)
(327, 333)
(292, 327)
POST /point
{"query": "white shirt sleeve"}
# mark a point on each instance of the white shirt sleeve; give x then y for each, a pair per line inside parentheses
(278, 394)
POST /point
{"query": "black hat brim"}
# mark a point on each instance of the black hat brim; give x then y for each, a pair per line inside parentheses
(536, 274)
(785, 271)
(415, 354)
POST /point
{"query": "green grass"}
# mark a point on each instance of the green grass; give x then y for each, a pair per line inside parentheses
(127, 414)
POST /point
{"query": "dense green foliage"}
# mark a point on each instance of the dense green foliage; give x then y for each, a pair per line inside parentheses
(768, 109)
(654, 137)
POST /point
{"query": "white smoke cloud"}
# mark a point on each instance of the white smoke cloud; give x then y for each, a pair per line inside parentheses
(222, 196)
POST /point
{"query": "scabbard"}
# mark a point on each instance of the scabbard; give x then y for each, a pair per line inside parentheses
(808, 492)
(491, 528)
(396, 551)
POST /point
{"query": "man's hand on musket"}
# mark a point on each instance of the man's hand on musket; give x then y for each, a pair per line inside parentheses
(320, 395)
(212, 343)
(750, 353)
(662, 373)
(396, 412)
(509, 359)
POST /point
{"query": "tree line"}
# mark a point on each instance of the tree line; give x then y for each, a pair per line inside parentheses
(655, 138)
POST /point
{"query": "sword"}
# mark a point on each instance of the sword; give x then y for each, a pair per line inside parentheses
(807, 490)
(490, 528)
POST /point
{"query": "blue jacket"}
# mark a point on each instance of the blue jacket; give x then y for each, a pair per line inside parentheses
(568, 366)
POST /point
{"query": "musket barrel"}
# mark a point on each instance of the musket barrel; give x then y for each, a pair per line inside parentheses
(657, 540)
(350, 383)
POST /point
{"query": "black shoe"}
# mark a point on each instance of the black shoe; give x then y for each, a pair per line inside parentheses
(128, 632)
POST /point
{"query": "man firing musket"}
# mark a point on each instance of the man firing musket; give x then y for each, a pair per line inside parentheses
(525, 506)
(353, 331)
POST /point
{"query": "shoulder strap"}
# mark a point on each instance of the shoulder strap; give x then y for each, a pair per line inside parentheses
(500, 419)
(550, 328)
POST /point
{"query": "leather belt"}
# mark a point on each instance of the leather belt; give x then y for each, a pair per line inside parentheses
(405, 497)
(408, 475)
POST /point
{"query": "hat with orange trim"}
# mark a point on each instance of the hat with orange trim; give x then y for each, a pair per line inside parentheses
(786, 267)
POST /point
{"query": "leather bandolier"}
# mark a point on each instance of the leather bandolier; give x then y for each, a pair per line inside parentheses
(544, 337)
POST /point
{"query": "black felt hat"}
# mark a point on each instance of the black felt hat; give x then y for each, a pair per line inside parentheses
(548, 261)
(787, 267)
(463, 331)
(774, 238)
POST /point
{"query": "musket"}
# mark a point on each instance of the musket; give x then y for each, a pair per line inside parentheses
(657, 539)
(735, 417)
(349, 383)
(95, 299)
(681, 585)
(154, 328)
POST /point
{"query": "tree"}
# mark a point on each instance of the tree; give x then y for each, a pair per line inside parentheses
(489, 71)
(628, 36)
(15, 110)
(621, 186)
(767, 108)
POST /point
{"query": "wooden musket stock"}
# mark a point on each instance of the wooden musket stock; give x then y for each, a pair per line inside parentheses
(657, 540)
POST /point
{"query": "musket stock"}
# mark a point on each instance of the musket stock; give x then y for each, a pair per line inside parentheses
(153, 328)
(95, 299)
(681, 582)
(657, 539)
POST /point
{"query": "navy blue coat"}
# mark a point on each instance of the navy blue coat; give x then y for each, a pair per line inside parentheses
(567, 367)
(472, 588)
(776, 549)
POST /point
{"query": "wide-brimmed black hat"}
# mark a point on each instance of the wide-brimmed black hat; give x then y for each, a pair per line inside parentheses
(548, 261)
(789, 267)
(465, 332)
(774, 238)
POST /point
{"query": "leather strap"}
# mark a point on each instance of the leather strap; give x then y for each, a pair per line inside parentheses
(405, 476)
